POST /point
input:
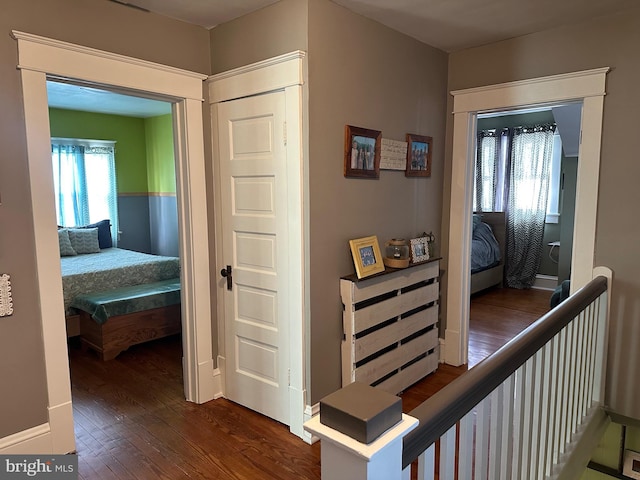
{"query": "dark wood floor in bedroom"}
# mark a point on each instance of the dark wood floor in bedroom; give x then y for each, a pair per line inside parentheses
(132, 422)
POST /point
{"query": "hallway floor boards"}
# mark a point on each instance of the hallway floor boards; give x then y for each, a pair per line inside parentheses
(132, 422)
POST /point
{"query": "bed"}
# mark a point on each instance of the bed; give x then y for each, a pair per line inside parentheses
(117, 275)
(112, 268)
(487, 250)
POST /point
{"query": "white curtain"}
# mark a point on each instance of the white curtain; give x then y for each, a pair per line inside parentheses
(529, 174)
(513, 168)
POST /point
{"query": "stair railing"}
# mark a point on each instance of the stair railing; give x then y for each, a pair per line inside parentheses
(532, 410)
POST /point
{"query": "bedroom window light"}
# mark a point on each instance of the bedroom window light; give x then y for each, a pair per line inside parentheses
(85, 182)
(491, 170)
(553, 202)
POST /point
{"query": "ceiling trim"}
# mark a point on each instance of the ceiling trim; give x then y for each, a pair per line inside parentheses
(37, 53)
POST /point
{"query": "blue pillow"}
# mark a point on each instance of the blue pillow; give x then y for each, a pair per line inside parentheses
(104, 233)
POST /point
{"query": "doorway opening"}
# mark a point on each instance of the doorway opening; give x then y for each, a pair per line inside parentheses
(137, 197)
(548, 139)
(587, 87)
(40, 58)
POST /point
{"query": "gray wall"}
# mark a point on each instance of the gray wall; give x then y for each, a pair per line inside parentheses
(149, 224)
(610, 41)
(364, 74)
(98, 24)
(277, 29)
(163, 225)
(133, 215)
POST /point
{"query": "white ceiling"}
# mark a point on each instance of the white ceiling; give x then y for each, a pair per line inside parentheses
(449, 25)
(87, 99)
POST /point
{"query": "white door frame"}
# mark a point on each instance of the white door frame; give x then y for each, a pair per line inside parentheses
(285, 73)
(39, 57)
(586, 86)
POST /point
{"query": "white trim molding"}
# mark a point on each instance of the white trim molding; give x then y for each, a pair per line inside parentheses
(586, 86)
(39, 57)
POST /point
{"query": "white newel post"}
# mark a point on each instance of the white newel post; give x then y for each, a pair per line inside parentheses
(344, 458)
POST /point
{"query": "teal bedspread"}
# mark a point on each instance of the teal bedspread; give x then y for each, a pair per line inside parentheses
(113, 268)
(121, 301)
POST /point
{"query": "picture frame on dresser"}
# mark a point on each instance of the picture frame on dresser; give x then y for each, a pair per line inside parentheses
(419, 249)
(367, 257)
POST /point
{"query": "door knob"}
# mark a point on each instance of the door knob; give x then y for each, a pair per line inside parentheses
(226, 272)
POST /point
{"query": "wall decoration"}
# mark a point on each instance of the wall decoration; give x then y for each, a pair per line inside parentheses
(419, 249)
(418, 155)
(362, 152)
(393, 155)
(6, 303)
(631, 466)
(367, 257)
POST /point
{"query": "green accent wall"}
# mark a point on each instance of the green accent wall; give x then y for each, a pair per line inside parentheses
(128, 132)
(161, 171)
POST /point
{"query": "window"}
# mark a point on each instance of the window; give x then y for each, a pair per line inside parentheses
(491, 172)
(85, 182)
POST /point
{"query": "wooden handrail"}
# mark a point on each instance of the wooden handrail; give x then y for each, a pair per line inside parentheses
(440, 412)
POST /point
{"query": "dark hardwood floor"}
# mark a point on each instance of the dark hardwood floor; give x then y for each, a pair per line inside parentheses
(132, 422)
(499, 314)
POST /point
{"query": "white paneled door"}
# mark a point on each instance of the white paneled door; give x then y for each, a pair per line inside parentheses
(251, 134)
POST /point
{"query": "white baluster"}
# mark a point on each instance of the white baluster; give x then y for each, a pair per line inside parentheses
(495, 431)
(427, 464)
(448, 455)
(482, 439)
(518, 419)
(545, 410)
(465, 453)
(506, 436)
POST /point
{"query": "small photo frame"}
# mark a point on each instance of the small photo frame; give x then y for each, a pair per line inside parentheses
(418, 155)
(419, 249)
(631, 466)
(362, 152)
(366, 256)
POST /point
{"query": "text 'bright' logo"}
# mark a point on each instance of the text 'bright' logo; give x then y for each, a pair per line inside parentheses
(34, 467)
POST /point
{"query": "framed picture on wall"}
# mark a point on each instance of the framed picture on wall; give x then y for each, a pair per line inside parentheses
(367, 257)
(418, 155)
(631, 467)
(361, 152)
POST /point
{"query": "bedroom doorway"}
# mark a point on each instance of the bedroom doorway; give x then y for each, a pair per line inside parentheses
(588, 87)
(40, 58)
(114, 166)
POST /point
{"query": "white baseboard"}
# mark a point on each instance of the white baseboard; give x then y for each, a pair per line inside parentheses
(54, 437)
(545, 282)
(222, 365)
(310, 411)
(217, 384)
(30, 441)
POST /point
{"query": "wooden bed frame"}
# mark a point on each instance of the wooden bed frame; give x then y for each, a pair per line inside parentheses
(121, 332)
(495, 275)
